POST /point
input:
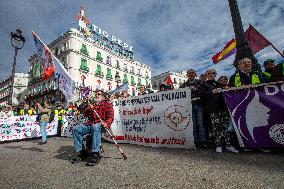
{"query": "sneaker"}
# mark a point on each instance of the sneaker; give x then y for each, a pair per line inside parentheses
(247, 150)
(264, 150)
(232, 149)
(219, 149)
(42, 143)
(101, 151)
(82, 156)
(94, 159)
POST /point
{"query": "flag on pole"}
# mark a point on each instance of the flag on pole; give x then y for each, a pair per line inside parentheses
(45, 57)
(256, 41)
(65, 82)
(228, 50)
(168, 81)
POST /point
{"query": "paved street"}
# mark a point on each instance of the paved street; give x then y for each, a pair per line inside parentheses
(28, 165)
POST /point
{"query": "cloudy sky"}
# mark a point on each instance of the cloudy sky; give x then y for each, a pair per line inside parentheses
(166, 34)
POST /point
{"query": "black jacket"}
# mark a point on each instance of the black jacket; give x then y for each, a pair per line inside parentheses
(214, 102)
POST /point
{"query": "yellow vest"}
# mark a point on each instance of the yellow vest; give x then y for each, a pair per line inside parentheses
(254, 79)
(22, 112)
(268, 75)
(62, 111)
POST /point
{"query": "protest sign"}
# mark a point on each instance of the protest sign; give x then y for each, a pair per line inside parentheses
(23, 127)
(257, 113)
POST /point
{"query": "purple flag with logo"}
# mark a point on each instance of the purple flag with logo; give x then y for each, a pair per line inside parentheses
(258, 115)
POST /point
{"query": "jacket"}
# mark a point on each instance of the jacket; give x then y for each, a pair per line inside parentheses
(240, 78)
(105, 110)
(45, 113)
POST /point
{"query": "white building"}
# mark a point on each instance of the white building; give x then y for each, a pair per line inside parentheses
(177, 78)
(91, 60)
(20, 84)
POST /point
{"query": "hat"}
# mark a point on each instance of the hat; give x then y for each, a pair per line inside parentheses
(267, 61)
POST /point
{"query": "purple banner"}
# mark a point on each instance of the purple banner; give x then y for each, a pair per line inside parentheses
(258, 115)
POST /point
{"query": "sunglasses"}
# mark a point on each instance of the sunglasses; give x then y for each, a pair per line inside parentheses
(211, 73)
(98, 94)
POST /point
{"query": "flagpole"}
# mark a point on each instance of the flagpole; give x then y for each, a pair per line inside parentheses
(268, 41)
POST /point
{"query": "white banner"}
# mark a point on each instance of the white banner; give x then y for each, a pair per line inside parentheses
(23, 127)
(160, 119)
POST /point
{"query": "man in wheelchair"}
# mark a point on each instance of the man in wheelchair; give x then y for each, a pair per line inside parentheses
(94, 126)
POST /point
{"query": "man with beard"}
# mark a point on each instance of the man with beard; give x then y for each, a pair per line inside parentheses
(93, 126)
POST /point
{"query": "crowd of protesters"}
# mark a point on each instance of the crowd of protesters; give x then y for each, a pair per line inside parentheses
(211, 119)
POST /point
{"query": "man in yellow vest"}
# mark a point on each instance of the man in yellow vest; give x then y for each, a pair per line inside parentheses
(59, 111)
(26, 110)
(245, 75)
(268, 66)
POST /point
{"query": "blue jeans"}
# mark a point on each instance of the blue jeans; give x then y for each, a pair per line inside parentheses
(43, 130)
(96, 134)
(198, 126)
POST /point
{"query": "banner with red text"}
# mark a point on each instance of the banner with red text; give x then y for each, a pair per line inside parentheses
(161, 119)
(23, 127)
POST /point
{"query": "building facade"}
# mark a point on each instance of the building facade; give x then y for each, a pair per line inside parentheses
(20, 84)
(92, 61)
(177, 78)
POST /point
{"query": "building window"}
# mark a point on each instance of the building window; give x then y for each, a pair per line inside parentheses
(147, 84)
(109, 76)
(99, 56)
(36, 71)
(132, 81)
(99, 70)
(84, 49)
(64, 62)
(139, 82)
(108, 60)
(147, 75)
(132, 70)
(125, 67)
(117, 64)
(56, 51)
(139, 71)
(175, 80)
(125, 80)
(154, 85)
(84, 66)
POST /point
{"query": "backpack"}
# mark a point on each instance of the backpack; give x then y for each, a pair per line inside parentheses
(51, 116)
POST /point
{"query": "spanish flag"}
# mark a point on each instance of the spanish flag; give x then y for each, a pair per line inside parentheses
(228, 50)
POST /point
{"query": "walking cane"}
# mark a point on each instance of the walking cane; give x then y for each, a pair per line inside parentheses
(111, 136)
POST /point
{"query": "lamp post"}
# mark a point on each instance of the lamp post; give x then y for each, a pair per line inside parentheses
(17, 41)
(117, 79)
(243, 49)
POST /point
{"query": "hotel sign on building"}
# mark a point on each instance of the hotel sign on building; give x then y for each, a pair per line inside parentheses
(97, 34)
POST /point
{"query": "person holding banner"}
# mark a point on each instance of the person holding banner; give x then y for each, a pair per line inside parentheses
(218, 114)
(44, 119)
(198, 88)
(245, 75)
(94, 127)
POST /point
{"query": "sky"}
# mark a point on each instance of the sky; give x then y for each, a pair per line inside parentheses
(167, 35)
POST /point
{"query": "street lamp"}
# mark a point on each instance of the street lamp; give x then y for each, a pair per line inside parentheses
(117, 79)
(17, 41)
(243, 49)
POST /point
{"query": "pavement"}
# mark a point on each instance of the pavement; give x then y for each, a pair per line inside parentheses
(25, 164)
